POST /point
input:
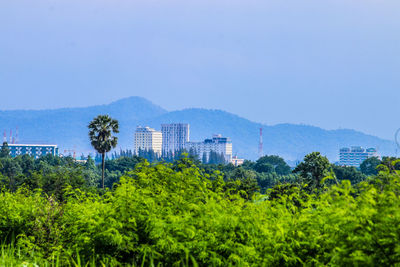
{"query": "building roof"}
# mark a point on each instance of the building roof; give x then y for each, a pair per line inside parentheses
(30, 145)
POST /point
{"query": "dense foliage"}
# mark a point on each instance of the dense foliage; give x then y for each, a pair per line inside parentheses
(182, 213)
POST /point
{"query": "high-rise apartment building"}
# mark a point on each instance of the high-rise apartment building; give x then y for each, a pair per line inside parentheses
(148, 139)
(218, 144)
(175, 136)
(355, 155)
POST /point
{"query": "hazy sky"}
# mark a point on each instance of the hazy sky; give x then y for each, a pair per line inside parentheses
(329, 63)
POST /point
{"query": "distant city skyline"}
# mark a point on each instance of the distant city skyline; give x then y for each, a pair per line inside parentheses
(68, 129)
(332, 64)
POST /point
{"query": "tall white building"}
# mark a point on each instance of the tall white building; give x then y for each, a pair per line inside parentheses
(355, 155)
(147, 138)
(175, 136)
(218, 144)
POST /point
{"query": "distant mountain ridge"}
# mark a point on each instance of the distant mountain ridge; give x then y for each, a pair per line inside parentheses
(67, 127)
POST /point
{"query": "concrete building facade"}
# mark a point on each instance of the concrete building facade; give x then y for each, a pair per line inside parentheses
(355, 155)
(147, 138)
(175, 136)
(218, 144)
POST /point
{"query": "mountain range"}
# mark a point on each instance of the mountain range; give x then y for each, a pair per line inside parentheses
(67, 127)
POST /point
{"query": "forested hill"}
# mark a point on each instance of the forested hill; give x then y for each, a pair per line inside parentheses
(68, 128)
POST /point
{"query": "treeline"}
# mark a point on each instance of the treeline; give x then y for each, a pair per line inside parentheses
(169, 156)
(52, 174)
(53, 211)
(178, 214)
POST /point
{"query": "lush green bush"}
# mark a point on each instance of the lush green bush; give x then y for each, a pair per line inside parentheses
(179, 215)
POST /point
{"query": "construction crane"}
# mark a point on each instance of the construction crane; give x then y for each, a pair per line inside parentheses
(70, 151)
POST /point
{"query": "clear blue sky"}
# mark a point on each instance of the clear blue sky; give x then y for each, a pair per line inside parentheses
(329, 63)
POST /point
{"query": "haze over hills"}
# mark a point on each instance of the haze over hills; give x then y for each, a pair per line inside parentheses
(67, 127)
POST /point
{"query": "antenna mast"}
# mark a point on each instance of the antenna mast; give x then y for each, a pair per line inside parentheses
(16, 136)
(260, 145)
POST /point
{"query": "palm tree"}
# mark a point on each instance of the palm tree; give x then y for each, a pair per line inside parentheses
(100, 134)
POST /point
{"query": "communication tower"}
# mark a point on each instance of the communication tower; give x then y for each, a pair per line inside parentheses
(397, 140)
(260, 144)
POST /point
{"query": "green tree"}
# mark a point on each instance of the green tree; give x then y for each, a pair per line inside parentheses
(272, 164)
(125, 164)
(5, 151)
(212, 158)
(59, 178)
(27, 163)
(314, 169)
(204, 158)
(264, 167)
(11, 169)
(269, 180)
(348, 173)
(244, 182)
(369, 166)
(90, 172)
(391, 164)
(101, 129)
(248, 165)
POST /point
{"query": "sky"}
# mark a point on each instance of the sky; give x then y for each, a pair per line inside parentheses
(331, 63)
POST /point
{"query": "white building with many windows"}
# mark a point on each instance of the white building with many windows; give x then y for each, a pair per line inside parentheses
(175, 136)
(147, 139)
(218, 144)
(355, 155)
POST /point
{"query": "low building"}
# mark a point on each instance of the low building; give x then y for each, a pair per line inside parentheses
(355, 155)
(236, 161)
(218, 144)
(147, 139)
(32, 150)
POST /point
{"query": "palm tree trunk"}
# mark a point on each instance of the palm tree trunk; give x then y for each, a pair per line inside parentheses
(102, 168)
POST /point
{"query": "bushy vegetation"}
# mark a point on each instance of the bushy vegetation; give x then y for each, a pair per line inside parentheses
(52, 212)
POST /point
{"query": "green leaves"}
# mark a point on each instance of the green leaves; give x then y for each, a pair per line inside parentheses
(5, 151)
(313, 170)
(180, 215)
